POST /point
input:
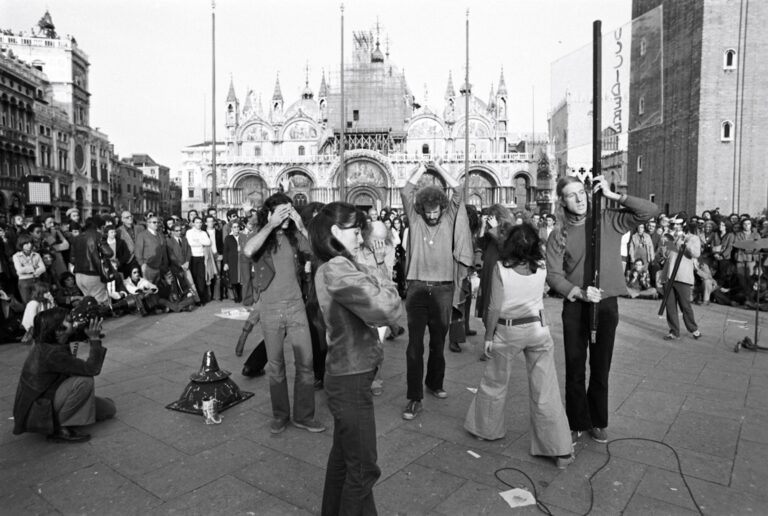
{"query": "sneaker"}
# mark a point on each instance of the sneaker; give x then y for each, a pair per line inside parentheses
(598, 435)
(696, 335)
(562, 461)
(438, 393)
(312, 425)
(377, 391)
(413, 408)
(671, 336)
(278, 425)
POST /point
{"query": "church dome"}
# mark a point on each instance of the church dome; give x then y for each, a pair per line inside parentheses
(377, 56)
(306, 106)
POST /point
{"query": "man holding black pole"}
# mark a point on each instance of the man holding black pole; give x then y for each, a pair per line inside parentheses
(568, 274)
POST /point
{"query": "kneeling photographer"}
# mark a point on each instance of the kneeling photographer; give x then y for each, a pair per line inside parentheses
(56, 390)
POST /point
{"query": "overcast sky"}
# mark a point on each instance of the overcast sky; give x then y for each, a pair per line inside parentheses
(150, 74)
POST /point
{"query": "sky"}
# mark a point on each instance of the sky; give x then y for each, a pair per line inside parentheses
(150, 60)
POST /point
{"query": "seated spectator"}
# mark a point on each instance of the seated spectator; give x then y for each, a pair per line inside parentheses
(29, 266)
(639, 282)
(145, 290)
(11, 312)
(758, 294)
(41, 299)
(67, 295)
(56, 391)
(708, 284)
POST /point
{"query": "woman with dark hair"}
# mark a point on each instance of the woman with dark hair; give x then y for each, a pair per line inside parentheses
(515, 323)
(353, 300)
(238, 270)
(40, 300)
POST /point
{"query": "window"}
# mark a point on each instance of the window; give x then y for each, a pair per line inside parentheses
(356, 115)
(191, 193)
(128, 187)
(257, 151)
(641, 106)
(640, 163)
(643, 47)
(729, 59)
(425, 149)
(726, 131)
(652, 198)
(301, 150)
(191, 178)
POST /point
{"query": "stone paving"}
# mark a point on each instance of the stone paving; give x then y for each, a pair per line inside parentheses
(698, 396)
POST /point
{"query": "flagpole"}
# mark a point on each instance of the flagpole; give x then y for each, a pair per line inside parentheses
(466, 112)
(342, 165)
(597, 144)
(213, 103)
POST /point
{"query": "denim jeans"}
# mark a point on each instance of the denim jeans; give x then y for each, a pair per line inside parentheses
(588, 407)
(352, 470)
(428, 306)
(279, 321)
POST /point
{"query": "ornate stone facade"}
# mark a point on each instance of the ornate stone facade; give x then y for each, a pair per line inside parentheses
(300, 143)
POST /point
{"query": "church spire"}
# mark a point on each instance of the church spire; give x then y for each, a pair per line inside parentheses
(491, 100)
(277, 95)
(231, 97)
(450, 92)
(323, 93)
(502, 85)
(307, 94)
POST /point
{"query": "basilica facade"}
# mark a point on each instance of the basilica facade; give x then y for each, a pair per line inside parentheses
(387, 134)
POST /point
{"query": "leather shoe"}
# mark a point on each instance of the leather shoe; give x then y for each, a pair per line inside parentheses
(454, 346)
(471, 333)
(68, 435)
(249, 371)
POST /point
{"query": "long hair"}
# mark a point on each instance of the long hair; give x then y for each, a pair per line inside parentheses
(270, 244)
(324, 245)
(521, 247)
(561, 223)
(46, 323)
(39, 290)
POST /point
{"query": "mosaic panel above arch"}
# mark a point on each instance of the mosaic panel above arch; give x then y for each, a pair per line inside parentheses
(300, 130)
(426, 128)
(477, 129)
(256, 133)
(366, 172)
(254, 190)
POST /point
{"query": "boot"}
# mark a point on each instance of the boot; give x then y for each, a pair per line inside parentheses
(247, 327)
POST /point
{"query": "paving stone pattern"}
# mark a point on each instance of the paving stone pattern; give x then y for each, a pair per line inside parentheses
(698, 396)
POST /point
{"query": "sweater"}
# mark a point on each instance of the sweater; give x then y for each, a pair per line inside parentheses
(566, 268)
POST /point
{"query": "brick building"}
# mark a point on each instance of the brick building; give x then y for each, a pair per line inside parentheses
(709, 149)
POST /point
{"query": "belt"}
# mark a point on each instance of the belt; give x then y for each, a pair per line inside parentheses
(518, 322)
(433, 283)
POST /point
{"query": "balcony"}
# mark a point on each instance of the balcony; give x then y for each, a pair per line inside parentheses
(478, 157)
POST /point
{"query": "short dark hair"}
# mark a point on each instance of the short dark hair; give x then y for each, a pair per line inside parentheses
(24, 238)
(324, 245)
(522, 246)
(430, 197)
(231, 212)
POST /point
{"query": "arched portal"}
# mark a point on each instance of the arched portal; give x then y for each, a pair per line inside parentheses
(522, 191)
(364, 197)
(366, 183)
(253, 191)
(480, 188)
(300, 187)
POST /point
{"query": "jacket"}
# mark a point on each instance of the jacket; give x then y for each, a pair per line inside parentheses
(152, 250)
(353, 301)
(179, 253)
(46, 367)
(86, 252)
(686, 269)
(264, 268)
(28, 267)
(129, 237)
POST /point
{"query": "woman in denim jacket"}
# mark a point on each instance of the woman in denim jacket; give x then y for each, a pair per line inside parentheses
(353, 301)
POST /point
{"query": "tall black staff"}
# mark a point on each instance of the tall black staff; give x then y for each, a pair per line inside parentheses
(597, 144)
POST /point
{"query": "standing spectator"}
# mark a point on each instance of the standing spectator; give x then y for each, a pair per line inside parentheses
(641, 246)
(680, 293)
(567, 274)
(57, 243)
(128, 232)
(217, 248)
(8, 280)
(180, 257)
(238, 272)
(280, 250)
(29, 266)
(152, 251)
(86, 254)
(120, 253)
(73, 215)
(745, 260)
(440, 249)
(200, 245)
(723, 253)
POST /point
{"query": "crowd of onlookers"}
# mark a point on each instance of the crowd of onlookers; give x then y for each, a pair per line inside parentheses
(723, 273)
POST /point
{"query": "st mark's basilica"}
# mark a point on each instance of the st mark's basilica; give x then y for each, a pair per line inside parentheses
(387, 132)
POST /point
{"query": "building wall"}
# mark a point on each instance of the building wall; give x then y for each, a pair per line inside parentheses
(732, 175)
(669, 151)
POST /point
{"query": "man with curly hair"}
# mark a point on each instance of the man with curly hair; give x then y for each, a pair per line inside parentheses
(431, 271)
